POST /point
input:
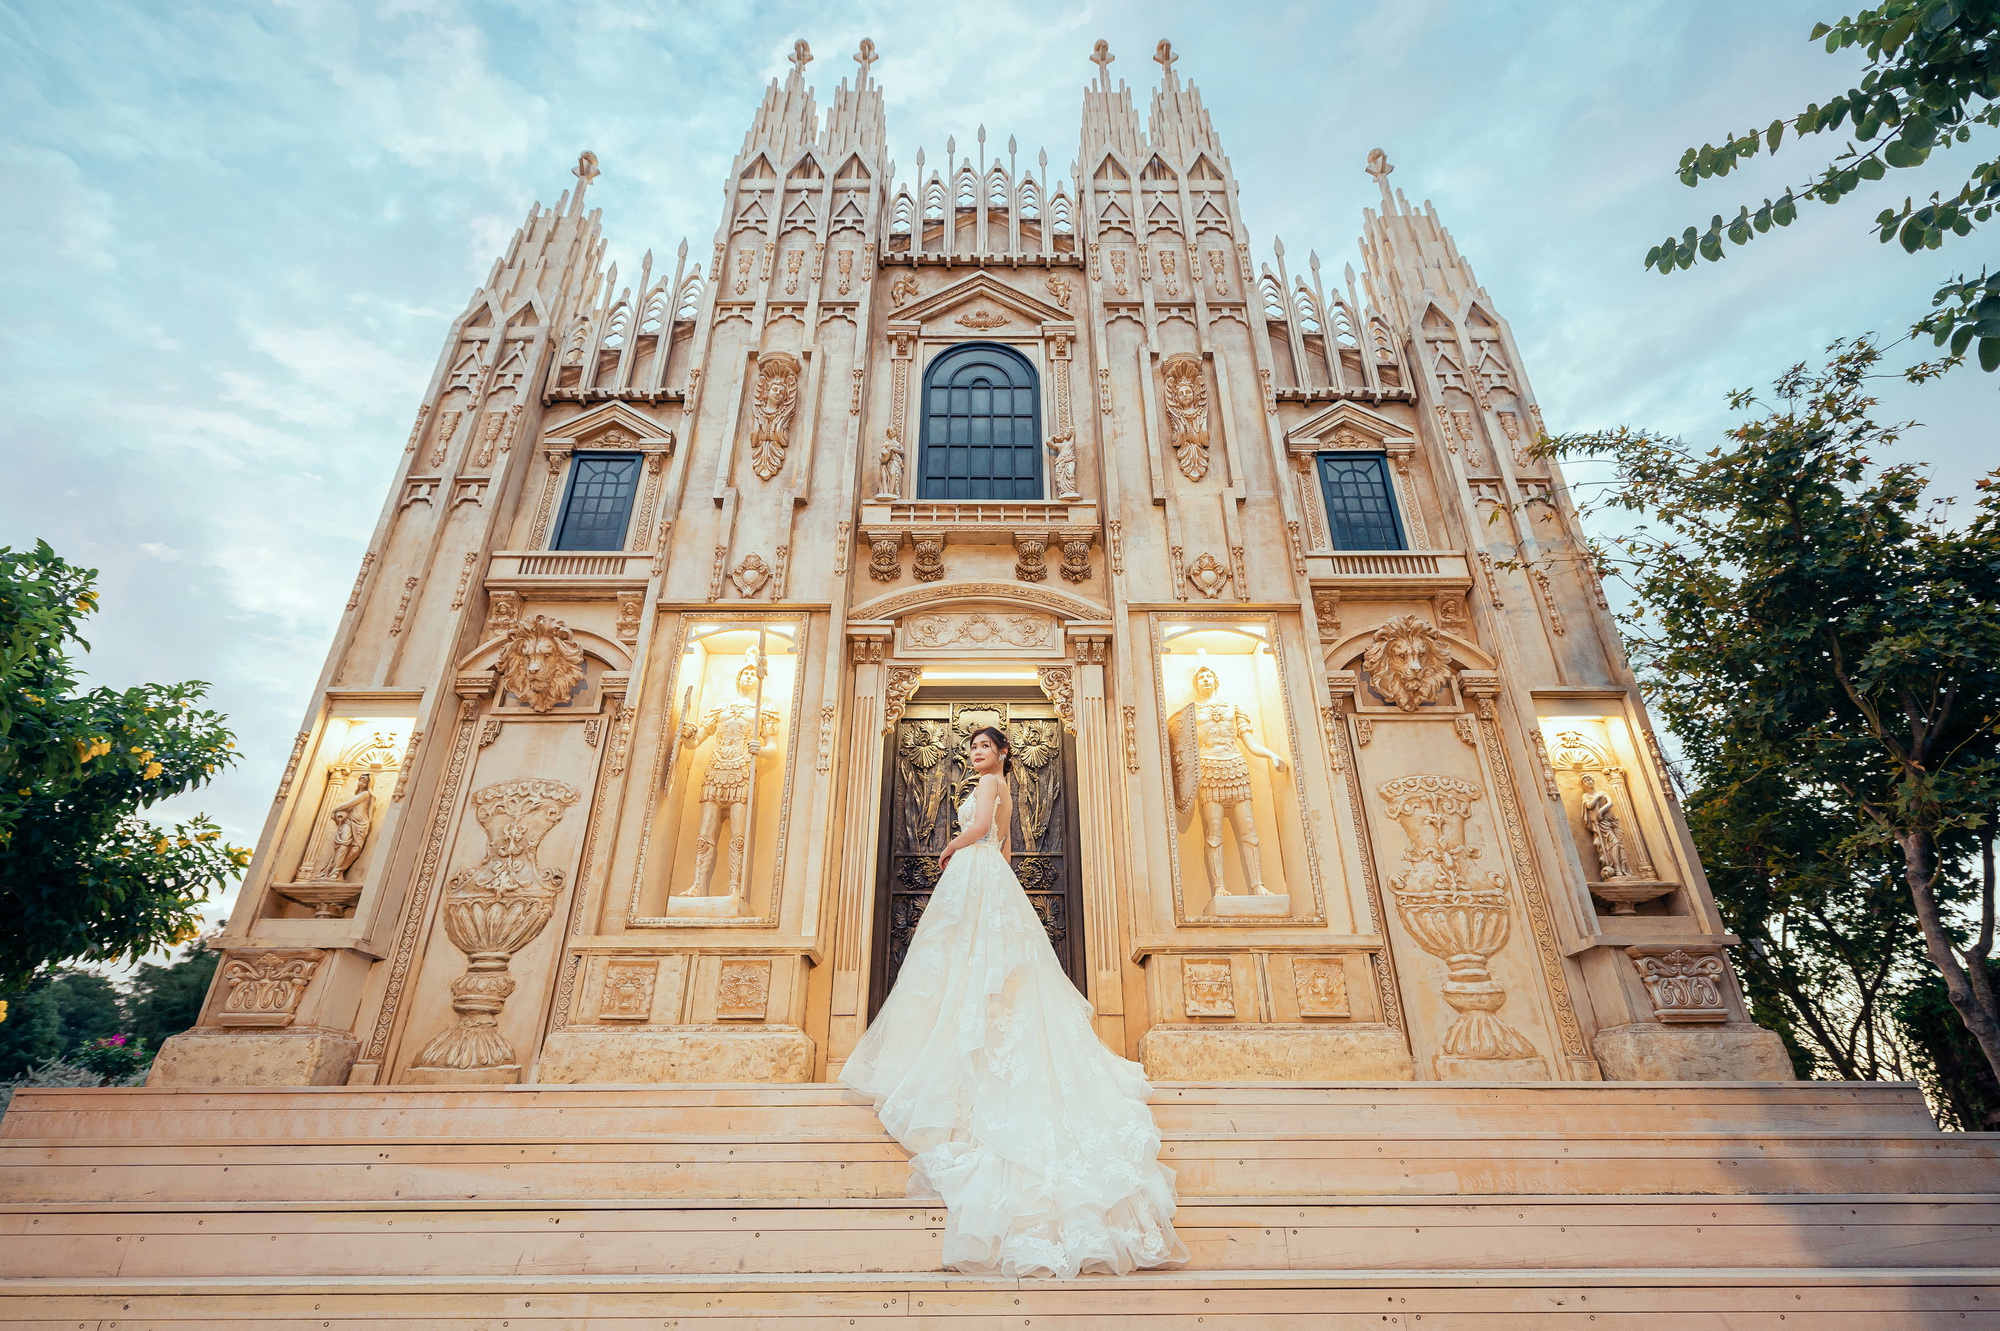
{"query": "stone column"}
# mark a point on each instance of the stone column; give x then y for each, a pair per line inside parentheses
(1099, 784)
(857, 812)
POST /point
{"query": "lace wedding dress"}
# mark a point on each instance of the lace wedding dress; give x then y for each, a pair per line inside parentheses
(984, 1064)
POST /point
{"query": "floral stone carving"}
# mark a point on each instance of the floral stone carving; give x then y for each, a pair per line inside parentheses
(771, 413)
(1407, 663)
(493, 910)
(541, 664)
(1209, 575)
(1187, 413)
(1453, 911)
(264, 988)
(1684, 986)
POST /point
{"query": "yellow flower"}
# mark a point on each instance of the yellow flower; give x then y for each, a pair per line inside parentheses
(161, 845)
(152, 770)
(3, 1009)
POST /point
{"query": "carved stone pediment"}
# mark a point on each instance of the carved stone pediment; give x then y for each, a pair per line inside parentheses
(1349, 425)
(983, 292)
(613, 425)
(987, 631)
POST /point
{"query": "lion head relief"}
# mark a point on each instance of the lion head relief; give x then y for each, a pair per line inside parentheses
(1407, 662)
(541, 663)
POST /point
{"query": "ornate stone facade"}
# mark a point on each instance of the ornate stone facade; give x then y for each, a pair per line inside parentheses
(1337, 769)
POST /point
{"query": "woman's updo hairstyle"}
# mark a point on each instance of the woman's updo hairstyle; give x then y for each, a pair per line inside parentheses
(1000, 742)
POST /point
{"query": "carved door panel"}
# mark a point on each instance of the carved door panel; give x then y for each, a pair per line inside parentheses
(928, 773)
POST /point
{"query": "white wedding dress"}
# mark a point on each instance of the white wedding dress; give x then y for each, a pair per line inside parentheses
(983, 1063)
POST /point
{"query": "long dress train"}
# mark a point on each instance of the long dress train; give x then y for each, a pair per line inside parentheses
(983, 1063)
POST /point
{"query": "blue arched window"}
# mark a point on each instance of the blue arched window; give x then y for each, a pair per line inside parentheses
(982, 434)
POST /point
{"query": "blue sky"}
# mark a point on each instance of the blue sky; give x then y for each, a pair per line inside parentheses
(235, 233)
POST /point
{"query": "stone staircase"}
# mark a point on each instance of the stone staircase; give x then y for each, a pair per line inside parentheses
(1456, 1205)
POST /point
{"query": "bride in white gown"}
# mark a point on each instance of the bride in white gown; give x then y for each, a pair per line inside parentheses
(983, 1063)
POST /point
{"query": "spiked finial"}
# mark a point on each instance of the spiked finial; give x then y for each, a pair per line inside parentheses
(865, 57)
(801, 57)
(1100, 55)
(1164, 56)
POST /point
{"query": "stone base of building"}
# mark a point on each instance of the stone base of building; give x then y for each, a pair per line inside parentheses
(1650, 1051)
(254, 1058)
(1276, 1053)
(1490, 1069)
(679, 1054)
(505, 1075)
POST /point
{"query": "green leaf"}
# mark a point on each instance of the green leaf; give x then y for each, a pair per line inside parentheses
(1989, 354)
(1774, 134)
(1871, 168)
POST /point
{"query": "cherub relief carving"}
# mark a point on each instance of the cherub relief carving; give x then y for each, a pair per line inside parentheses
(1187, 413)
(771, 413)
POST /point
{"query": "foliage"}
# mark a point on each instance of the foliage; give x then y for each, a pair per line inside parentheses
(82, 876)
(1962, 1085)
(115, 1057)
(1828, 938)
(58, 1072)
(166, 1000)
(1933, 75)
(58, 1012)
(1805, 626)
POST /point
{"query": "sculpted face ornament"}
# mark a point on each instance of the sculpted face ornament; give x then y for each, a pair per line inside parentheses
(771, 413)
(1187, 413)
(1407, 663)
(541, 664)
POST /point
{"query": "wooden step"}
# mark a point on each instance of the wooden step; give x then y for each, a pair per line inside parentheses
(1445, 1299)
(580, 1238)
(770, 1112)
(874, 1167)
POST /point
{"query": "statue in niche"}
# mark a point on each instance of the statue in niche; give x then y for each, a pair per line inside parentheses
(1062, 466)
(889, 465)
(1607, 833)
(739, 729)
(348, 823)
(1209, 737)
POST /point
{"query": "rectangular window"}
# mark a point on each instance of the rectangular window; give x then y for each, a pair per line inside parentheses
(1360, 506)
(599, 502)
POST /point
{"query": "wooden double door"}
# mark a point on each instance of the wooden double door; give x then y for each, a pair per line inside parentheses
(929, 771)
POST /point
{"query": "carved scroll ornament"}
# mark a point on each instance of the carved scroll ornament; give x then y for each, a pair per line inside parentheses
(493, 910)
(772, 410)
(1454, 912)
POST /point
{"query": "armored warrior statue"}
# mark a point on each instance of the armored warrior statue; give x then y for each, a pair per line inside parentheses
(1209, 737)
(739, 729)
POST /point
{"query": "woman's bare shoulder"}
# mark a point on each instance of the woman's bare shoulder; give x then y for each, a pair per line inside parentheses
(993, 781)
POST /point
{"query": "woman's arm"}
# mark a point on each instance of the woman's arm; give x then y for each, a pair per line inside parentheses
(984, 799)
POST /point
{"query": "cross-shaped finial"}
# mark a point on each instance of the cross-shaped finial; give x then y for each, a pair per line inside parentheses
(1164, 55)
(1378, 167)
(1100, 55)
(801, 57)
(866, 56)
(586, 168)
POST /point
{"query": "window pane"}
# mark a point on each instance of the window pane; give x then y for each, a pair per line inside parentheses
(981, 437)
(1360, 506)
(599, 502)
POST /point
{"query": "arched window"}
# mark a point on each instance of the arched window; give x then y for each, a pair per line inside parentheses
(982, 434)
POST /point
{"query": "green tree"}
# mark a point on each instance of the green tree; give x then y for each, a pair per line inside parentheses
(1932, 80)
(58, 1013)
(1805, 622)
(165, 1000)
(82, 875)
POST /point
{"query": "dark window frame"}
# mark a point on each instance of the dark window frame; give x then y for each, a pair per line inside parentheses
(936, 474)
(565, 513)
(1337, 516)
